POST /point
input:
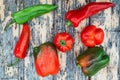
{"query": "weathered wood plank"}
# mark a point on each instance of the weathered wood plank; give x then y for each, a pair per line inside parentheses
(108, 21)
(40, 30)
(68, 71)
(8, 40)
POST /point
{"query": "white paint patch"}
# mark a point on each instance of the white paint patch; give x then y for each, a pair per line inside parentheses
(96, 22)
(41, 78)
(102, 0)
(27, 61)
(82, 1)
(27, 64)
(43, 2)
(49, 1)
(106, 38)
(2, 8)
(63, 77)
(5, 22)
(115, 20)
(77, 44)
(46, 1)
(15, 32)
(114, 59)
(10, 71)
(62, 60)
(108, 17)
(26, 78)
(114, 55)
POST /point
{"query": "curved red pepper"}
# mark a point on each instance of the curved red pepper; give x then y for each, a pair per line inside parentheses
(23, 42)
(63, 41)
(91, 36)
(74, 17)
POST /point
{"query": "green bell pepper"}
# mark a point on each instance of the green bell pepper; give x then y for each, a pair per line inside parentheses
(92, 60)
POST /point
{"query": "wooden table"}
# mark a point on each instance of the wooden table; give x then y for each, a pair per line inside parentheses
(44, 29)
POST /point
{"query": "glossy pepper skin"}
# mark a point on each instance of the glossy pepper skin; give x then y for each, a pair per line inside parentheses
(22, 44)
(91, 36)
(63, 41)
(74, 17)
(46, 59)
(26, 14)
(92, 60)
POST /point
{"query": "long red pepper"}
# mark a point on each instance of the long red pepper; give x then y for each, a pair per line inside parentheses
(74, 17)
(22, 44)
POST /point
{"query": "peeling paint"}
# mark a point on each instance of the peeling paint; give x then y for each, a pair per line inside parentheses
(5, 22)
(2, 8)
(10, 71)
(115, 18)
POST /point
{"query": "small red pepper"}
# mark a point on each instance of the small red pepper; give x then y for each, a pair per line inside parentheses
(63, 41)
(22, 44)
(91, 36)
(74, 17)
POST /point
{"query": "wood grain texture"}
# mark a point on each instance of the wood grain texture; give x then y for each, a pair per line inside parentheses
(45, 27)
(108, 21)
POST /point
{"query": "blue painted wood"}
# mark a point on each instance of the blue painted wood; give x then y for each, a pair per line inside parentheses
(45, 27)
(109, 21)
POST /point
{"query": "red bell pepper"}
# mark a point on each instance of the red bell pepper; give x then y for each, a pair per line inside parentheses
(74, 17)
(91, 36)
(46, 59)
(63, 41)
(21, 46)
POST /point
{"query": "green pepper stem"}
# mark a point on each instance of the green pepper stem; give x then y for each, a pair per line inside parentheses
(78, 65)
(36, 51)
(68, 23)
(8, 24)
(62, 43)
(15, 63)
